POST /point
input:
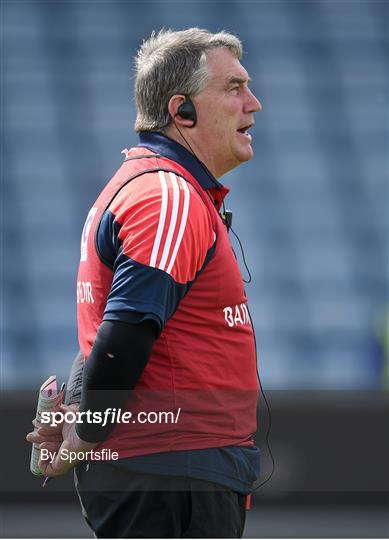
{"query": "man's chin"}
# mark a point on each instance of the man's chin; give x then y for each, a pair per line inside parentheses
(246, 154)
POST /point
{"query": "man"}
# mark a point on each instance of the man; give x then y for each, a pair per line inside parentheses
(162, 313)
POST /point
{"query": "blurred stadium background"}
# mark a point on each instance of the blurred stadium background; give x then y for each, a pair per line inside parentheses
(311, 209)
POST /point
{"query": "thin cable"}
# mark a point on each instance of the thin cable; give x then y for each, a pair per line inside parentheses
(244, 259)
(267, 438)
(207, 172)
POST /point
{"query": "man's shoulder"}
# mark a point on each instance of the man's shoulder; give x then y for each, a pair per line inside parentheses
(161, 221)
(157, 192)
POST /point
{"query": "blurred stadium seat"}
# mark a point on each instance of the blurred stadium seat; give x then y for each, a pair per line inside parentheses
(311, 208)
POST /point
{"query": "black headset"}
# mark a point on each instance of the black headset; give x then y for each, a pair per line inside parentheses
(187, 111)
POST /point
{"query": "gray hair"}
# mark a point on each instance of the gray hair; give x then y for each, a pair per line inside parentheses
(170, 63)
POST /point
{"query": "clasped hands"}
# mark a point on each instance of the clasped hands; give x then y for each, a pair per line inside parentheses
(55, 439)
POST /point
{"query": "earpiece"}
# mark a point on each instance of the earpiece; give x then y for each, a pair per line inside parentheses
(188, 111)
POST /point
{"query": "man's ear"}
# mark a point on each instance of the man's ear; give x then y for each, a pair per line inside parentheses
(173, 105)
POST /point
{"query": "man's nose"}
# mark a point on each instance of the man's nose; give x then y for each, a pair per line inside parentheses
(253, 104)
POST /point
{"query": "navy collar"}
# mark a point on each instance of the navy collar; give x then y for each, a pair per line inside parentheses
(161, 144)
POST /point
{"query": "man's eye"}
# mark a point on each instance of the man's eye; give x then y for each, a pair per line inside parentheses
(234, 88)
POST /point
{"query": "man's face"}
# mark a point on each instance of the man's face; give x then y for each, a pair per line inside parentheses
(225, 111)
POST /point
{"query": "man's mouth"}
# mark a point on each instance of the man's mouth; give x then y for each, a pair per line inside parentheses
(244, 130)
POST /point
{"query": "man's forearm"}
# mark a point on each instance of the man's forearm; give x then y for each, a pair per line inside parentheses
(117, 360)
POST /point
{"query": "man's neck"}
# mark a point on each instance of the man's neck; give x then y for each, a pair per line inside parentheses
(191, 145)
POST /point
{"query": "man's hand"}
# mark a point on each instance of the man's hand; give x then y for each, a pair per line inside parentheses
(50, 434)
(70, 442)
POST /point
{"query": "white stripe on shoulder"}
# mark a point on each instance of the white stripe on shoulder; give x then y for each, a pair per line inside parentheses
(184, 219)
(173, 221)
(162, 219)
